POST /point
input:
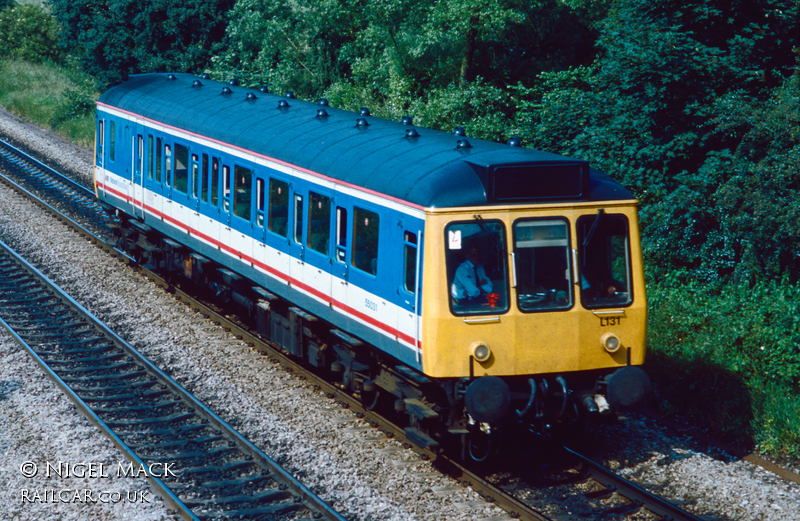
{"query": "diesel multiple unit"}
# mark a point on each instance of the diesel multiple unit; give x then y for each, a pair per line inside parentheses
(476, 285)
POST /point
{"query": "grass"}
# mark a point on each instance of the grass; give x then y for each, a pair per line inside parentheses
(50, 96)
(728, 358)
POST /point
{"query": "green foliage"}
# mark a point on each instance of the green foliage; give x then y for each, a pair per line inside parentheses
(115, 39)
(28, 32)
(674, 107)
(35, 92)
(728, 357)
(78, 102)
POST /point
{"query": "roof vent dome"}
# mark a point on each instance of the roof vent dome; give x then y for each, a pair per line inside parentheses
(290, 94)
(463, 144)
(264, 89)
(322, 113)
(171, 76)
(406, 120)
(283, 104)
(323, 102)
(514, 142)
(412, 132)
(226, 90)
(362, 122)
(250, 97)
(197, 83)
(459, 131)
(233, 82)
(364, 111)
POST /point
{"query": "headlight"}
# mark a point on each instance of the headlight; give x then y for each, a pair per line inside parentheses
(481, 351)
(610, 342)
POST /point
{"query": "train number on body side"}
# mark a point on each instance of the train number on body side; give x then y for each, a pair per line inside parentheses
(372, 306)
(610, 321)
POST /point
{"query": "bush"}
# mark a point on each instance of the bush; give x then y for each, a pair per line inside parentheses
(46, 93)
(28, 32)
(728, 357)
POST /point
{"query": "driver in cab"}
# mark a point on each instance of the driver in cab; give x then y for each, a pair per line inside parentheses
(471, 285)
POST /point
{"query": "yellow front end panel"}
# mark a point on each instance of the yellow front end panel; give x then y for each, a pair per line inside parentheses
(534, 342)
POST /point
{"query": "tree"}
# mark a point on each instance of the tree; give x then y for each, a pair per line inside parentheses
(651, 113)
(115, 38)
(28, 32)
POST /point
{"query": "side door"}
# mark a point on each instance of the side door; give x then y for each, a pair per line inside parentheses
(242, 213)
(361, 264)
(137, 167)
(151, 177)
(208, 206)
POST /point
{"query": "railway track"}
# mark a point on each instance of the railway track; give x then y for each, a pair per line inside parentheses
(206, 469)
(627, 497)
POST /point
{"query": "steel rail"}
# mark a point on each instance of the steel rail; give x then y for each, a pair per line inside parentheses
(449, 466)
(631, 491)
(298, 490)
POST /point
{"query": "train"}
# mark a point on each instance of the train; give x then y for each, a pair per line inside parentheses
(473, 288)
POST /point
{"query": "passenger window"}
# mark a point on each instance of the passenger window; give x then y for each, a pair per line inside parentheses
(278, 207)
(543, 271)
(477, 273)
(150, 156)
(195, 177)
(243, 192)
(410, 262)
(341, 234)
(137, 166)
(158, 160)
(298, 219)
(167, 164)
(604, 260)
(181, 173)
(365, 240)
(204, 183)
(226, 188)
(112, 140)
(260, 202)
(214, 181)
(319, 222)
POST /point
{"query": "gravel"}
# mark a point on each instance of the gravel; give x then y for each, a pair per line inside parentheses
(363, 474)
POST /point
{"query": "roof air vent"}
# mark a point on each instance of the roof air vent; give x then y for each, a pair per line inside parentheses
(459, 131)
(227, 90)
(514, 142)
(250, 97)
(263, 89)
(323, 102)
(290, 94)
(462, 144)
(362, 123)
(170, 76)
(233, 82)
(364, 111)
(283, 104)
(412, 132)
(206, 76)
(406, 120)
(322, 113)
(196, 83)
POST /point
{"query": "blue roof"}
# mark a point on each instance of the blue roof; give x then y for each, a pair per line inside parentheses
(429, 170)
